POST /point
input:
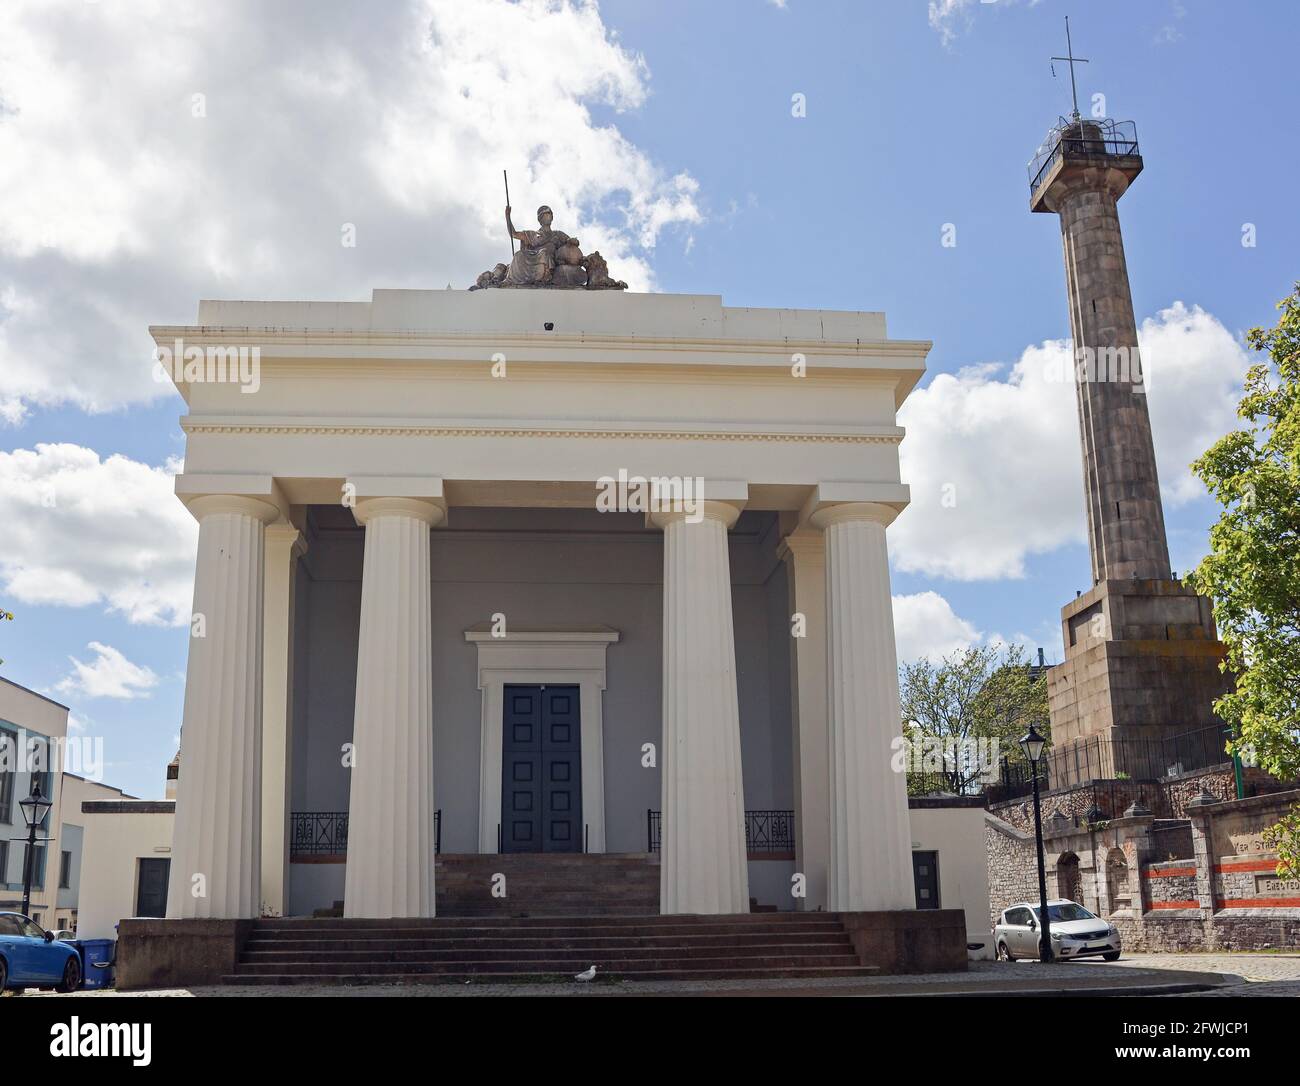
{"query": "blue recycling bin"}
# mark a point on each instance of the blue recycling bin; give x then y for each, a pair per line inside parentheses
(96, 962)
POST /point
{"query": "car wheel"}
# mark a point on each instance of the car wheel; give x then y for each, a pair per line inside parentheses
(71, 975)
(1005, 955)
(1113, 956)
(4, 976)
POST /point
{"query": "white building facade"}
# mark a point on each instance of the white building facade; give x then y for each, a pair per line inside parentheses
(424, 612)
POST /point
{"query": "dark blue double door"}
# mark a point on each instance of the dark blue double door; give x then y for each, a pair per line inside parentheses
(541, 771)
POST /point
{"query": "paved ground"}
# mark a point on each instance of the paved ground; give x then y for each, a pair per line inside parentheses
(1261, 974)
(1166, 974)
(1145, 974)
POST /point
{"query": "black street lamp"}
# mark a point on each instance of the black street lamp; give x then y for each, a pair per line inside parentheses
(35, 808)
(1032, 744)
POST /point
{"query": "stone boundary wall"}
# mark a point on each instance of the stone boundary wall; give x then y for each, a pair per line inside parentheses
(1167, 798)
(1013, 865)
(1170, 885)
(1224, 895)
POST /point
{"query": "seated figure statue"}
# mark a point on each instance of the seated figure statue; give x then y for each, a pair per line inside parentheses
(536, 261)
(548, 258)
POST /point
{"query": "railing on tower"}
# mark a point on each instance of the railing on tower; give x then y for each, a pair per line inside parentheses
(1084, 136)
(325, 833)
(1115, 758)
(766, 832)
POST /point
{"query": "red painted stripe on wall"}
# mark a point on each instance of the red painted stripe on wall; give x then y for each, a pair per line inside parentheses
(1175, 905)
(1168, 872)
(1262, 903)
(1248, 865)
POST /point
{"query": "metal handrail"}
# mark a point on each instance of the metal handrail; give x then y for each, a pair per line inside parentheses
(325, 833)
(1118, 138)
(765, 831)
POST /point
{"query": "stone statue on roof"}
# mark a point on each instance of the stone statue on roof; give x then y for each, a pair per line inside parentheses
(549, 258)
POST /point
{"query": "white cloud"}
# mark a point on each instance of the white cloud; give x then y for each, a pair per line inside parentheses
(122, 207)
(993, 458)
(81, 531)
(926, 626)
(949, 18)
(109, 675)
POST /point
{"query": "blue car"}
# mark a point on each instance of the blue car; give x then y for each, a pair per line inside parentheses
(30, 957)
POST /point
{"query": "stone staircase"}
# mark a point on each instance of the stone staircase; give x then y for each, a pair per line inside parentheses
(546, 948)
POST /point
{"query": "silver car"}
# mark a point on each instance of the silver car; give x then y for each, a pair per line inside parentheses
(1075, 932)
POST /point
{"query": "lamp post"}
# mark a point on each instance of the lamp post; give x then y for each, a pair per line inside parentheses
(34, 807)
(1032, 744)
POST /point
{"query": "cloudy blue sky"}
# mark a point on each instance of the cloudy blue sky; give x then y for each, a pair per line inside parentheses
(155, 153)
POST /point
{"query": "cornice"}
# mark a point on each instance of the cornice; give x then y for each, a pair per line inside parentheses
(495, 341)
(645, 431)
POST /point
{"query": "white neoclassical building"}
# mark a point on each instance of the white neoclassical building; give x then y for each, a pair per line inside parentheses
(426, 621)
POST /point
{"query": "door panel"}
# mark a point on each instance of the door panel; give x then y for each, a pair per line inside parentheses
(541, 785)
(562, 770)
(521, 770)
(925, 876)
(151, 889)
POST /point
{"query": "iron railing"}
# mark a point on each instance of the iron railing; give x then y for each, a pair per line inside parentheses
(325, 833)
(765, 831)
(1120, 759)
(1085, 136)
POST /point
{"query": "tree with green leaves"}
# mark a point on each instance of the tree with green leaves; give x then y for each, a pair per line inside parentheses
(965, 712)
(1252, 573)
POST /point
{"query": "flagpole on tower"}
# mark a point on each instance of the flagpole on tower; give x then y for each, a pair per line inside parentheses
(1073, 60)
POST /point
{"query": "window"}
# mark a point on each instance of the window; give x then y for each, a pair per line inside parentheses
(1067, 912)
(38, 867)
(4, 863)
(9, 925)
(65, 870)
(8, 774)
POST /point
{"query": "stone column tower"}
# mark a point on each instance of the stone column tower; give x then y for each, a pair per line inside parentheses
(1141, 651)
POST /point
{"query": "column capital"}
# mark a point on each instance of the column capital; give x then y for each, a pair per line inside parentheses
(368, 509)
(804, 545)
(285, 533)
(197, 489)
(727, 512)
(207, 505)
(840, 512)
(895, 496)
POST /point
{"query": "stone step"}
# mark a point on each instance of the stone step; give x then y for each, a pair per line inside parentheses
(560, 965)
(538, 954)
(354, 978)
(490, 928)
(746, 945)
(259, 943)
(578, 921)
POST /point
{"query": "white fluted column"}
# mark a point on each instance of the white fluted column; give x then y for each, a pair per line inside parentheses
(703, 860)
(804, 553)
(216, 843)
(390, 818)
(284, 544)
(871, 846)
